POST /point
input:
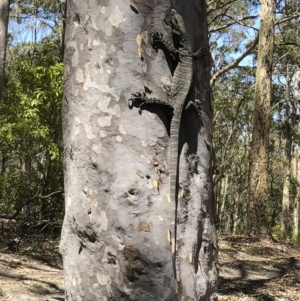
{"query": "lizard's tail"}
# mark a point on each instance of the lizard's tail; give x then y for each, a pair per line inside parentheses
(174, 158)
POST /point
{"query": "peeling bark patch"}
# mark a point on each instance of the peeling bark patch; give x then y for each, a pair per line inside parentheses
(143, 226)
(134, 267)
(132, 195)
(140, 173)
(103, 104)
(134, 9)
(117, 17)
(111, 259)
(75, 56)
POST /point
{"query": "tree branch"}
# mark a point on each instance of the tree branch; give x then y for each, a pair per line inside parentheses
(234, 63)
(232, 23)
(36, 196)
(219, 7)
(284, 19)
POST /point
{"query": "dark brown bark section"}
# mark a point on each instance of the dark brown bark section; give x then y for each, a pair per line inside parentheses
(115, 234)
(257, 215)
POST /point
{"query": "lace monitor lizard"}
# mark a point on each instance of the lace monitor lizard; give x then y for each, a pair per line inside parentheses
(180, 90)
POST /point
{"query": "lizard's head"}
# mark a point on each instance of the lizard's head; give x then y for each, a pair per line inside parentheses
(177, 23)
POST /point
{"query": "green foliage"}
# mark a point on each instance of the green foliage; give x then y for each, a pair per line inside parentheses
(30, 134)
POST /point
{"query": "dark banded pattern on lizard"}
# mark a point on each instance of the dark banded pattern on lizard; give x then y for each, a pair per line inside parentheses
(180, 89)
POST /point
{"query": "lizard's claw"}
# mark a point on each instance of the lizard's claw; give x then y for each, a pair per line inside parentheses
(156, 36)
(200, 53)
(137, 96)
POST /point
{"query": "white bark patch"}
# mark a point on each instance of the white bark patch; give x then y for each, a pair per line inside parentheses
(119, 138)
(122, 130)
(103, 279)
(149, 184)
(117, 17)
(166, 82)
(96, 42)
(139, 42)
(103, 134)
(103, 10)
(95, 24)
(68, 202)
(104, 121)
(149, 51)
(147, 160)
(97, 148)
(79, 298)
(79, 76)
(89, 131)
(76, 125)
(151, 115)
(108, 28)
(113, 48)
(104, 221)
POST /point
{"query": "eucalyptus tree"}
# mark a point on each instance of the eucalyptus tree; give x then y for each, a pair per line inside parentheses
(116, 242)
(257, 213)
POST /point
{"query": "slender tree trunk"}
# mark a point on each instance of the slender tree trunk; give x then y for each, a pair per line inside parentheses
(295, 174)
(4, 13)
(224, 186)
(64, 14)
(117, 212)
(257, 218)
(236, 212)
(295, 168)
(285, 211)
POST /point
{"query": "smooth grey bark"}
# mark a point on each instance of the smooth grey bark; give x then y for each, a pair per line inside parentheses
(117, 211)
(4, 13)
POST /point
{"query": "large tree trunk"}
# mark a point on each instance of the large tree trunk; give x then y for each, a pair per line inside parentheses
(257, 218)
(117, 211)
(4, 13)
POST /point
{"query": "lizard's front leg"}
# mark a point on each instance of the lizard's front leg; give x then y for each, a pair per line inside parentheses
(200, 53)
(143, 99)
(158, 37)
